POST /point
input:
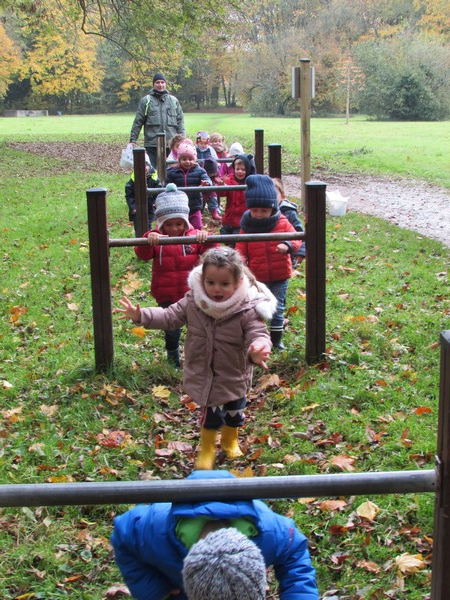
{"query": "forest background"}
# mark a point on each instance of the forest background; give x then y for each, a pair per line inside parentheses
(389, 59)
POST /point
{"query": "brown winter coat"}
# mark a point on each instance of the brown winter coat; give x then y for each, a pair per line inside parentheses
(217, 367)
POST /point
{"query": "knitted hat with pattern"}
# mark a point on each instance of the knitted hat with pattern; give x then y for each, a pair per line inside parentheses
(171, 204)
(261, 192)
(225, 565)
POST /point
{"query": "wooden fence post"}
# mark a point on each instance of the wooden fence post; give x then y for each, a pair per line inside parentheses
(100, 278)
(315, 227)
(140, 192)
(305, 123)
(259, 151)
(440, 583)
(274, 160)
(161, 165)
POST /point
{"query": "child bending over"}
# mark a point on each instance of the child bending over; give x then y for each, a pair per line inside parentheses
(211, 550)
(226, 336)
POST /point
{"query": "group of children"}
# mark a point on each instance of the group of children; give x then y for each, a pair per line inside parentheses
(224, 295)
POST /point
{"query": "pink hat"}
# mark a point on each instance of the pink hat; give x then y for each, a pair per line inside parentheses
(186, 149)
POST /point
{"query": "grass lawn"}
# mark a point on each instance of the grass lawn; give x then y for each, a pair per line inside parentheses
(370, 405)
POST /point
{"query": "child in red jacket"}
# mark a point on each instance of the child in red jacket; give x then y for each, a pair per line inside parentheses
(171, 263)
(271, 261)
(243, 166)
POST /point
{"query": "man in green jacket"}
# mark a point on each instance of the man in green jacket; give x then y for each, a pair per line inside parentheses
(157, 112)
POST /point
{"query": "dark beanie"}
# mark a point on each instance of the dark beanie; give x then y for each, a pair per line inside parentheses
(248, 161)
(261, 192)
(158, 76)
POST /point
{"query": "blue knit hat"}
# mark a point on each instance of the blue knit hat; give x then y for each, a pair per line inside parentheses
(261, 192)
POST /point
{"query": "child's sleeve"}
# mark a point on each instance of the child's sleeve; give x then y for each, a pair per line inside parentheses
(143, 579)
(205, 177)
(172, 317)
(293, 568)
(145, 252)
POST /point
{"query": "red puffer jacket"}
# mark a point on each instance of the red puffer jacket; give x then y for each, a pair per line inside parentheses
(171, 266)
(263, 259)
(235, 206)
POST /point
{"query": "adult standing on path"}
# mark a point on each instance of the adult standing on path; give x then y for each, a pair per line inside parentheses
(157, 112)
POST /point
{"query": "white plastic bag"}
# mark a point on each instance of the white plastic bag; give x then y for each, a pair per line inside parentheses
(126, 159)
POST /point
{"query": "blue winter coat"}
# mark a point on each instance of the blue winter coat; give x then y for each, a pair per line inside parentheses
(150, 556)
(191, 178)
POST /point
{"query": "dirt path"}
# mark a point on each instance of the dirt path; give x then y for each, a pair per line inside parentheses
(413, 205)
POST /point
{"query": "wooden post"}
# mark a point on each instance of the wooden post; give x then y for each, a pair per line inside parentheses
(315, 220)
(305, 118)
(440, 583)
(140, 191)
(100, 278)
(274, 160)
(259, 151)
(161, 154)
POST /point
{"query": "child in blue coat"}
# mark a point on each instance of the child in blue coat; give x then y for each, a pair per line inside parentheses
(166, 550)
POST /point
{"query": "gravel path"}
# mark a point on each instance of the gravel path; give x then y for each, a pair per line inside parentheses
(413, 205)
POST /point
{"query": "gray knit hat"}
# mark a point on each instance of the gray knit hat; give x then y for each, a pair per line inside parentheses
(225, 565)
(171, 204)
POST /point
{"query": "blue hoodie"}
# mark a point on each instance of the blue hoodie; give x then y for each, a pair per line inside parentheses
(150, 555)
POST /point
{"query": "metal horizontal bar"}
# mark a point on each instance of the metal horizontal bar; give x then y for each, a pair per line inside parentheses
(200, 490)
(199, 188)
(212, 239)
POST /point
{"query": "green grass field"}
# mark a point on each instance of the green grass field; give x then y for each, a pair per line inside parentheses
(370, 405)
(411, 149)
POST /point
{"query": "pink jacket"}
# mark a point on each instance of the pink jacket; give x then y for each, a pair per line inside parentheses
(217, 367)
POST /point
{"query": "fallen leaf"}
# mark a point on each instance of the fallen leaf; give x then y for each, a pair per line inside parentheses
(6, 385)
(368, 510)
(138, 332)
(343, 461)
(160, 391)
(409, 563)
(266, 381)
(331, 505)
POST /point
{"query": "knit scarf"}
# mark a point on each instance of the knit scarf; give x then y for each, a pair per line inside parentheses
(222, 310)
(251, 225)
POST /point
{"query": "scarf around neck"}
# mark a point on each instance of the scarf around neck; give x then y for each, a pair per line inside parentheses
(251, 225)
(265, 305)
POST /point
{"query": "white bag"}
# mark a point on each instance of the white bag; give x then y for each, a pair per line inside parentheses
(126, 159)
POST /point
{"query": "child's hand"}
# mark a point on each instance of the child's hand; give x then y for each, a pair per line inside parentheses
(282, 248)
(218, 181)
(129, 311)
(204, 183)
(201, 236)
(259, 352)
(153, 238)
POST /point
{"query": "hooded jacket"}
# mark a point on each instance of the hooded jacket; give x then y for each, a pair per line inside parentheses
(217, 367)
(235, 203)
(150, 555)
(158, 112)
(171, 266)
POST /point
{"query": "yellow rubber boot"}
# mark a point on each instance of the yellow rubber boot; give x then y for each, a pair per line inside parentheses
(229, 441)
(207, 455)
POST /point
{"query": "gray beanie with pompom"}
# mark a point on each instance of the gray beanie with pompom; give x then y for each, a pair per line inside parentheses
(225, 565)
(172, 204)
